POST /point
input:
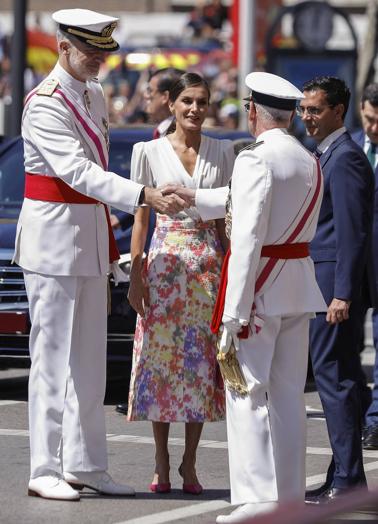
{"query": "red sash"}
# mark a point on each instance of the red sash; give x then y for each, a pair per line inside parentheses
(53, 189)
(275, 255)
(281, 251)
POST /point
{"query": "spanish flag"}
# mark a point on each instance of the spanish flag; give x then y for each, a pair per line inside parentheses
(42, 51)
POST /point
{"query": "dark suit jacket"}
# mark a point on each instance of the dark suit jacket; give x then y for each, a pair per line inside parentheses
(359, 138)
(344, 232)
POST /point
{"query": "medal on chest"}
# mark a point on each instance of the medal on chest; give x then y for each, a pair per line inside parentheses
(87, 100)
(106, 131)
(228, 216)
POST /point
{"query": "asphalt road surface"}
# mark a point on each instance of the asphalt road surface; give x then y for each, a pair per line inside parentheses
(130, 448)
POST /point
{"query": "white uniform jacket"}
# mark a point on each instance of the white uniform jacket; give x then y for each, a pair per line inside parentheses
(270, 185)
(69, 239)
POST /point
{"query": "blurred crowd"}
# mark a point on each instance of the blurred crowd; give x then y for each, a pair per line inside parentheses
(207, 34)
(126, 102)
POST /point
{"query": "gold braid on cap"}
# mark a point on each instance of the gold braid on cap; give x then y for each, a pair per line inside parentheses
(89, 36)
(103, 40)
(103, 46)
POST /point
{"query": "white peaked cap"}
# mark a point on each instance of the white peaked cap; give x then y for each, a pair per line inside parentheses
(95, 29)
(272, 90)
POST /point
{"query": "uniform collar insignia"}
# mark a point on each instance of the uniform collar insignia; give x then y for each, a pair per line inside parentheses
(250, 147)
(48, 87)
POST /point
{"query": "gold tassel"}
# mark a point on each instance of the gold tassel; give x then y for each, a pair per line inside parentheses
(231, 372)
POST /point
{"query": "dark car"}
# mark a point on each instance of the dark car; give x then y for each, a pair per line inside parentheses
(14, 317)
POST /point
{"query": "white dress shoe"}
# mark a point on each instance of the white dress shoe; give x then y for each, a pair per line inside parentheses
(245, 512)
(99, 481)
(52, 487)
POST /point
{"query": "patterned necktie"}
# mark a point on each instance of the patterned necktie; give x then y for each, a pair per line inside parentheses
(318, 153)
(371, 154)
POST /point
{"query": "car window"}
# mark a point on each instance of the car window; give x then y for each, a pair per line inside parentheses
(120, 157)
(11, 180)
(121, 147)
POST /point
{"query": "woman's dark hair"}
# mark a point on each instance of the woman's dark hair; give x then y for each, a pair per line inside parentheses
(166, 78)
(185, 81)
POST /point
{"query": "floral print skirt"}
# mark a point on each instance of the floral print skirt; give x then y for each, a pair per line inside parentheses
(175, 376)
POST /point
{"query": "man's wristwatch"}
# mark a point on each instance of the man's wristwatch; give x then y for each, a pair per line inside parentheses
(141, 197)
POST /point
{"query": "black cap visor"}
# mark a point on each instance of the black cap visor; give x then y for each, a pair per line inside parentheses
(288, 104)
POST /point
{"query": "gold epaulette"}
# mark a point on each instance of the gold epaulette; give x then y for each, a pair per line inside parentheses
(48, 87)
(250, 147)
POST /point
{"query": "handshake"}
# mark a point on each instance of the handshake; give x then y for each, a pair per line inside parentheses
(169, 199)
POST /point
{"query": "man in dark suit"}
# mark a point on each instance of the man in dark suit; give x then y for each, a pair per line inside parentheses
(157, 98)
(342, 257)
(367, 138)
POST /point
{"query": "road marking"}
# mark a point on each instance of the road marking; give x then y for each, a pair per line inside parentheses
(315, 413)
(310, 409)
(213, 444)
(368, 453)
(179, 513)
(315, 479)
(10, 402)
(14, 432)
(368, 357)
(135, 439)
(207, 507)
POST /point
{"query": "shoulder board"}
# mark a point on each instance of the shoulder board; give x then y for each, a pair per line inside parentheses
(48, 87)
(250, 147)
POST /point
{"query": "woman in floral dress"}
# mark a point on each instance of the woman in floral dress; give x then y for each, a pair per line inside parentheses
(174, 374)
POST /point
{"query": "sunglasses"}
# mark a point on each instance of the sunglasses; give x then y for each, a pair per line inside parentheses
(248, 105)
(312, 111)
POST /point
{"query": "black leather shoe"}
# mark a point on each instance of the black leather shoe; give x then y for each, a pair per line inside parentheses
(327, 496)
(312, 495)
(121, 408)
(370, 437)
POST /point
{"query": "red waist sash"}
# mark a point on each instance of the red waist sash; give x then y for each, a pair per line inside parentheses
(286, 251)
(283, 251)
(52, 189)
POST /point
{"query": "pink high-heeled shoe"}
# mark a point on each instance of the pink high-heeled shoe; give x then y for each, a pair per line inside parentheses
(191, 489)
(163, 487)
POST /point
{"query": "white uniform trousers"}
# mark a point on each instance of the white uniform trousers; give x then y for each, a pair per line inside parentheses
(68, 373)
(267, 429)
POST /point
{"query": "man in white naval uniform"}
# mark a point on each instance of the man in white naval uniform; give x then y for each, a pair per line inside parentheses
(276, 191)
(64, 245)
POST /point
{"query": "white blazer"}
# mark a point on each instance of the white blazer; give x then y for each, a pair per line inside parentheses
(68, 239)
(269, 185)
